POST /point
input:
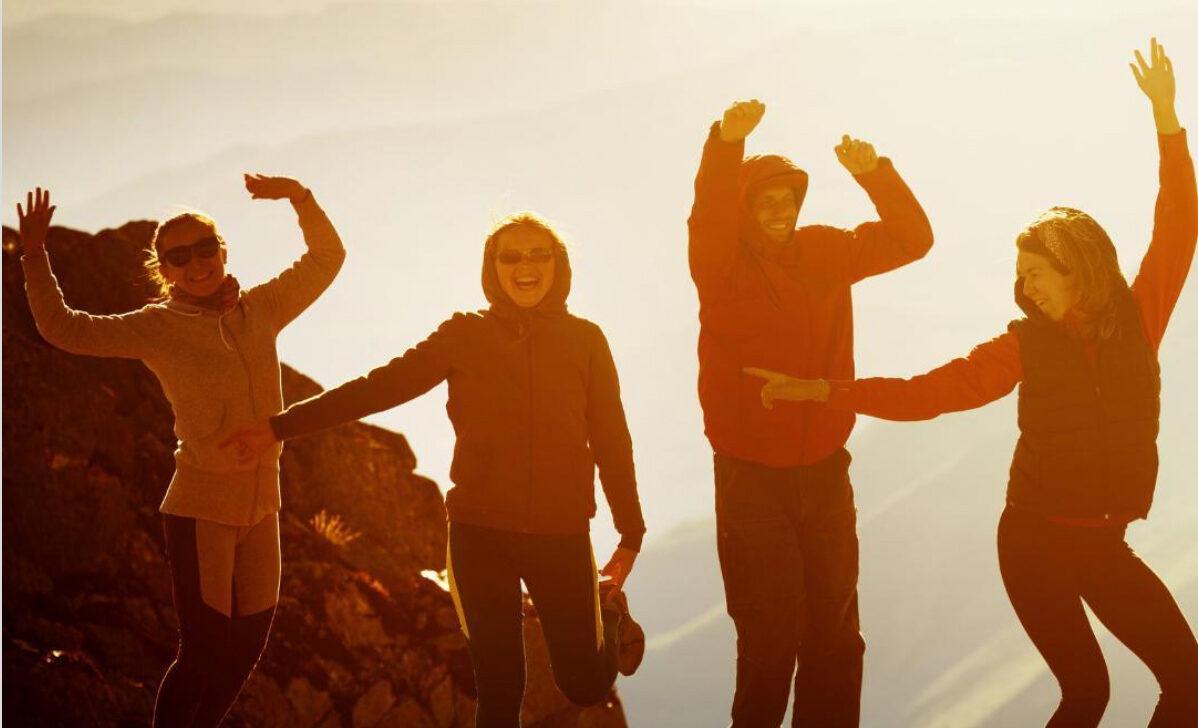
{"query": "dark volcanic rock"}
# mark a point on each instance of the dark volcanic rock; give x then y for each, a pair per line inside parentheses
(361, 637)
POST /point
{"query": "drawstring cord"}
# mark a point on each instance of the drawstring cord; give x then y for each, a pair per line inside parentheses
(220, 327)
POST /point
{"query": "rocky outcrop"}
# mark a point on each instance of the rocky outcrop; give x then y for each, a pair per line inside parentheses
(365, 634)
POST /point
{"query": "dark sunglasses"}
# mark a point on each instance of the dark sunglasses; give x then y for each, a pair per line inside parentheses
(511, 256)
(180, 256)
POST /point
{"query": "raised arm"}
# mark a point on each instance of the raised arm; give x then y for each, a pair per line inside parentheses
(1165, 266)
(78, 332)
(287, 295)
(714, 237)
(902, 233)
(990, 372)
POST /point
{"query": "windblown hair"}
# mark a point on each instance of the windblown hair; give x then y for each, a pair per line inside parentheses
(153, 264)
(1074, 243)
(530, 219)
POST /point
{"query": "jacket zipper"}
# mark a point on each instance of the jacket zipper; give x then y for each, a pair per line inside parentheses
(253, 412)
(528, 498)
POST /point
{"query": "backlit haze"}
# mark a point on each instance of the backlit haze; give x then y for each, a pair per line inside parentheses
(416, 124)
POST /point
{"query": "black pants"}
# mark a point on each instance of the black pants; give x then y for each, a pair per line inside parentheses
(486, 566)
(217, 652)
(787, 540)
(1050, 569)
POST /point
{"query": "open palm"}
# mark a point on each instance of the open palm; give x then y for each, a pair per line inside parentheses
(1155, 77)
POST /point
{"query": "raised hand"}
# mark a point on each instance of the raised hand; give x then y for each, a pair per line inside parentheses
(35, 220)
(262, 187)
(250, 442)
(785, 387)
(740, 119)
(1155, 79)
(858, 157)
(619, 566)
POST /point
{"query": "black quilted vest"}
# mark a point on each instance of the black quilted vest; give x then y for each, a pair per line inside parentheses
(1087, 433)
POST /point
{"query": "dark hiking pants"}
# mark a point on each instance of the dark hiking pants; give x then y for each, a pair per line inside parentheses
(787, 540)
(486, 567)
(225, 582)
(1050, 569)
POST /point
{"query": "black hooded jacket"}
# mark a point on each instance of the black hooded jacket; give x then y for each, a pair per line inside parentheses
(535, 403)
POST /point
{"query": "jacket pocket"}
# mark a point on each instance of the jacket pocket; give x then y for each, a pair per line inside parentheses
(566, 480)
(471, 465)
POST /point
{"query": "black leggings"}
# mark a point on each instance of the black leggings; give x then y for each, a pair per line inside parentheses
(216, 652)
(485, 568)
(1050, 569)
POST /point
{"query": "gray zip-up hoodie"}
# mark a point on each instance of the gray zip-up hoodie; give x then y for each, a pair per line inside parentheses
(219, 371)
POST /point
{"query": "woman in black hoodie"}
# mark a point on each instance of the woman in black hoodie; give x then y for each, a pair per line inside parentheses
(535, 404)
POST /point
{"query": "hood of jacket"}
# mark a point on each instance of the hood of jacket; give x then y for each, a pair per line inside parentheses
(554, 301)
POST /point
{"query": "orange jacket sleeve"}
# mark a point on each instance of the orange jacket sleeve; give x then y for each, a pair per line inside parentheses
(714, 233)
(902, 233)
(990, 372)
(1175, 227)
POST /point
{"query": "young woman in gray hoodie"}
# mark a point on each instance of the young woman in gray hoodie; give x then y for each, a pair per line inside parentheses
(212, 347)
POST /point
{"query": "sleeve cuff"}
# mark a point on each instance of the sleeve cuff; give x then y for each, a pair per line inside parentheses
(632, 541)
(885, 168)
(279, 427)
(1171, 143)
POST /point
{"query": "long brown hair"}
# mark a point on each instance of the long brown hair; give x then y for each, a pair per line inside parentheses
(153, 264)
(1075, 244)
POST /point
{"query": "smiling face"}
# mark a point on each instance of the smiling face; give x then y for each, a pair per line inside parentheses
(525, 282)
(1053, 292)
(201, 276)
(776, 211)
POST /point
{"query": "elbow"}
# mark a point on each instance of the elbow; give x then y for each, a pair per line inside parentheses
(921, 242)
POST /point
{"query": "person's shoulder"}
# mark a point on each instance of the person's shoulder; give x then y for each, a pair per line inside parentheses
(464, 321)
(820, 233)
(154, 311)
(586, 328)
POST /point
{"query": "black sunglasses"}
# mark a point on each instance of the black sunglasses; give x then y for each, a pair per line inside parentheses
(511, 256)
(180, 256)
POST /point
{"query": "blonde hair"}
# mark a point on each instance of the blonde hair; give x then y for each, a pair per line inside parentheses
(1075, 244)
(522, 219)
(153, 264)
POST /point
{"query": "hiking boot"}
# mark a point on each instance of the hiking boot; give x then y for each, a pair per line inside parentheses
(630, 634)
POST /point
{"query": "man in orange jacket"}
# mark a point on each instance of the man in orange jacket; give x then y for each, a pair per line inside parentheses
(778, 297)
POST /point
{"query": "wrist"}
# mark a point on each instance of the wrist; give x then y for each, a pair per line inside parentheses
(304, 195)
(729, 138)
(1166, 121)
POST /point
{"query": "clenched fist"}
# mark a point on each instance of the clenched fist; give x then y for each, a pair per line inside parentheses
(858, 157)
(740, 119)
